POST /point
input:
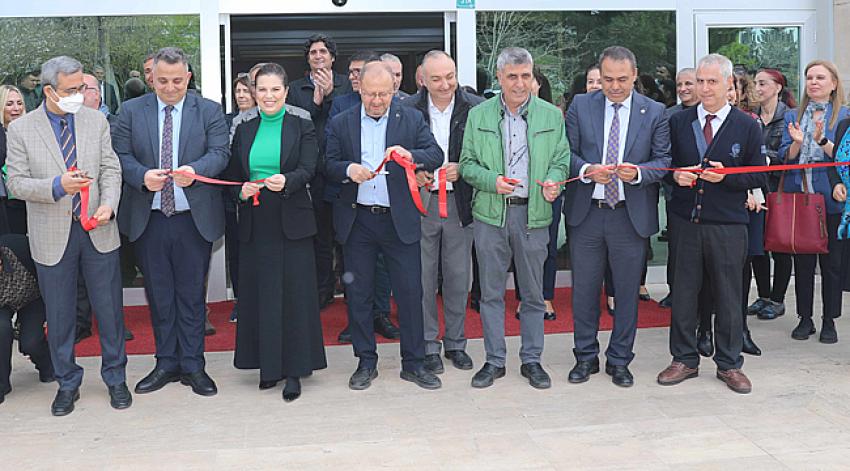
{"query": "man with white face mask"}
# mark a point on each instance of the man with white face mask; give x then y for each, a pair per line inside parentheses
(55, 152)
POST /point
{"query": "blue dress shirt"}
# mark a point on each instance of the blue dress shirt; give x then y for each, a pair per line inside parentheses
(56, 125)
(373, 145)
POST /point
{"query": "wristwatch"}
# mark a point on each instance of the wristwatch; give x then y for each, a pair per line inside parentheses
(823, 141)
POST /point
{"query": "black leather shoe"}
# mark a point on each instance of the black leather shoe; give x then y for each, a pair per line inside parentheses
(64, 402)
(422, 378)
(209, 329)
(582, 371)
(325, 300)
(771, 311)
(537, 376)
(620, 375)
(155, 381)
(644, 297)
(459, 359)
(756, 307)
(268, 384)
(385, 328)
(666, 302)
(705, 344)
(433, 363)
(344, 336)
(549, 316)
(120, 397)
(3, 395)
(828, 334)
(749, 347)
(200, 382)
(475, 305)
(292, 390)
(487, 375)
(804, 329)
(82, 334)
(128, 334)
(362, 378)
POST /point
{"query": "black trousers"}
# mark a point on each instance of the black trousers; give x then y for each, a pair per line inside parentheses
(373, 234)
(323, 244)
(33, 342)
(716, 252)
(782, 263)
(174, 259)
(830, 269)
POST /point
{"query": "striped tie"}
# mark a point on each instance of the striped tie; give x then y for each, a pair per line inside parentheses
(612, 157)
(69, 154)
(166, 154)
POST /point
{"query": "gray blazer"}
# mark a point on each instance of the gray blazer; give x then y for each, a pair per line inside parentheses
(647, 143)
(204, 145)
(34, 160)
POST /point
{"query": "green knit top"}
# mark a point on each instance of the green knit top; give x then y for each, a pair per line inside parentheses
(264, 159)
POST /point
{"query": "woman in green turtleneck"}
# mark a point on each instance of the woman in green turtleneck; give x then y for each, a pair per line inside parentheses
(279, 331)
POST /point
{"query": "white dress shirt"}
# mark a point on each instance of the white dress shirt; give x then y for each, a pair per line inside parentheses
(624, 113)
(441, 126)
(720, 116)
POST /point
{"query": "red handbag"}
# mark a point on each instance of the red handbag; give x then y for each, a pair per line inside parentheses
(796, 222)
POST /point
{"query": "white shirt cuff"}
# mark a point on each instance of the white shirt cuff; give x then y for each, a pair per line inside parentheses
(348, 170)
(581, 174)
(637, 179)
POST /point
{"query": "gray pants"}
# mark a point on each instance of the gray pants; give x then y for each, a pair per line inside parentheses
(445, 240)
(528, 248)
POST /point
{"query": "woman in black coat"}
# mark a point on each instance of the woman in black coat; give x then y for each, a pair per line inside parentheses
(279, 330)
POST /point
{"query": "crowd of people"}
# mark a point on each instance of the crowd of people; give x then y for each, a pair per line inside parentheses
(351, 180)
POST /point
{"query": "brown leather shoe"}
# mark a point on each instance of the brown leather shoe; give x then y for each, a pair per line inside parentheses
(736, 380)
(676, 373)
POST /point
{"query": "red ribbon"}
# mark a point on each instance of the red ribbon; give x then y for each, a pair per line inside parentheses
(87, 222)
(409, 172)
(442, 194)
(719, 171)
(215, 181)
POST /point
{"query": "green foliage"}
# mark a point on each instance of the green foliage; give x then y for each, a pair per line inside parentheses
(739, 54)
(119, 43)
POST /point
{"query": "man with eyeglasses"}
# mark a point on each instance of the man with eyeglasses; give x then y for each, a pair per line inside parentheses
(375, 214)
(54, 153)
(381, 305)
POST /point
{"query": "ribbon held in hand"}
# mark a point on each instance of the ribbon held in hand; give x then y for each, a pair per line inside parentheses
(409, 172)
(215, 181)
(86, 221)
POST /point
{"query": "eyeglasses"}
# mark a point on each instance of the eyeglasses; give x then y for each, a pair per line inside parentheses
(354, 72)
(381, 95)
(73, 91)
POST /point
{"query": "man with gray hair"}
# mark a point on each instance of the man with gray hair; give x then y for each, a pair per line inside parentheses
(162, 139)
(613, 208)
(711, 222)
(54, 153)
(511, 142)
(395, 64)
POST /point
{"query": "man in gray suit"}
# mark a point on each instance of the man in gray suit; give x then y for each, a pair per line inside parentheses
(53, 153)
(613, 208)
(171, 219)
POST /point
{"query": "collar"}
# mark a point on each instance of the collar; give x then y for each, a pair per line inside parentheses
(432, 108)
(522, 110)
(56, 118)
(627, 103)
(721, 114)
(363, 114)
(178, 107)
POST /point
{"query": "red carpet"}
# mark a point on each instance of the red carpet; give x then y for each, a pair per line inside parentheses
(334, 319)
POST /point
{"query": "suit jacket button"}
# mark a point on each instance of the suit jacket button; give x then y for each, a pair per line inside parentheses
(700, 191)
(705, 160)
(353, 205)
(696, 220)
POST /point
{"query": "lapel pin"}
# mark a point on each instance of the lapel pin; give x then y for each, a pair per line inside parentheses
(643, 111)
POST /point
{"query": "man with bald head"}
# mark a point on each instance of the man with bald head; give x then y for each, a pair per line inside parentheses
(448, 240)
(375, 214)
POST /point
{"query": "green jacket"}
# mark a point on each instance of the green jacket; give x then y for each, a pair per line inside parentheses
(482, 159)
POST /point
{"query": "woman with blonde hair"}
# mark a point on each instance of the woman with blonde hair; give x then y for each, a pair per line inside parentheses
(13, 108)
(809, 136)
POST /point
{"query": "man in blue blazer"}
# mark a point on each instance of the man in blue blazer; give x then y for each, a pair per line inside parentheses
(374, 214)
(613, 209)
(172, 219)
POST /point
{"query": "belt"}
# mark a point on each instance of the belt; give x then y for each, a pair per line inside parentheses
(516, 201)
(436, 192)
(175, 212)
(374, 209)
(602, 204)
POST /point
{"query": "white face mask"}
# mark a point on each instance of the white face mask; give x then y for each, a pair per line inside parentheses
(70, 104)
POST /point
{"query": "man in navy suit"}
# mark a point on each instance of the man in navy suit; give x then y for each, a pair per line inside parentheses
(375, 214)
(613, 209)
(172, 219)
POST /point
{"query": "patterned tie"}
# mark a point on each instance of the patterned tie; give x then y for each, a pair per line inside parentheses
(166, 204)
(706, 130)
(612, 154)
(69, 154)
